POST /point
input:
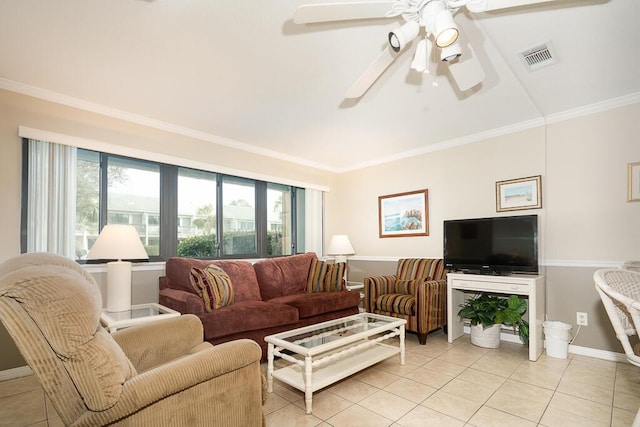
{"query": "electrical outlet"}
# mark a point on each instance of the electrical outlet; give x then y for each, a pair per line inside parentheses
(582, 319)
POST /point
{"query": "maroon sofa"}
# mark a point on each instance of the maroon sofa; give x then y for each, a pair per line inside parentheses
(270, 297)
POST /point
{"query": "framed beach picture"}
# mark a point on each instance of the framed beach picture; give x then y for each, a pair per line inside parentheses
(404, 214)
(633, 184)
(517, 194)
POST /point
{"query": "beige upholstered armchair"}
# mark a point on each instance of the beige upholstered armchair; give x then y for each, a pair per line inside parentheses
(157, 374)
(416, 293)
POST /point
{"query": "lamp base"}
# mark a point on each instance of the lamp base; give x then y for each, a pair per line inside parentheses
(340, 258)
(118, 286)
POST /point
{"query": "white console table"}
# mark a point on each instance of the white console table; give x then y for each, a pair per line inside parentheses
(530, 286)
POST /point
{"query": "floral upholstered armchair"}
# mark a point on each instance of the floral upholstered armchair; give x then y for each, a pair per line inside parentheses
(416, 293)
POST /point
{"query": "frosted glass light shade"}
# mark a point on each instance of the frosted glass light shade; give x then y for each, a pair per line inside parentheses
(118, 241)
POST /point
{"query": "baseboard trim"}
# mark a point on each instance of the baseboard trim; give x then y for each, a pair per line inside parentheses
(598, 354)
(508, 335)
(10, 374)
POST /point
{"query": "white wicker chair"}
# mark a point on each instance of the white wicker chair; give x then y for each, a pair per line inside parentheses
(632, 265)
(619, 291)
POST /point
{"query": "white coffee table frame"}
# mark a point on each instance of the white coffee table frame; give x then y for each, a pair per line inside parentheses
(138, 315)
(343, 355)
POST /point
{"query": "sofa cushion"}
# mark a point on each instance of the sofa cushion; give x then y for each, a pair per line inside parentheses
(213, 285)
(284, 275)
(246, 316)
(326, 277)
(397, 303)
(243, 277)
(313, 304)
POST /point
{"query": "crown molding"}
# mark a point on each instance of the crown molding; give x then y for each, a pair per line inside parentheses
(70, 101)
(81, 104)
(598, 107)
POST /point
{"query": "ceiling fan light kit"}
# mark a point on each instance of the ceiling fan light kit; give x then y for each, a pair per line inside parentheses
(434, 16)
(451, 52)
(420, 61)
(399, 37)
(446, 31)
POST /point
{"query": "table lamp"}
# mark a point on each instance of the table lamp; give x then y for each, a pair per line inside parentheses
(118, 242)
(340, 247)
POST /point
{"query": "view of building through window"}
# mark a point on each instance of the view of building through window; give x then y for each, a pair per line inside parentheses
(239, 216)
(133, 197)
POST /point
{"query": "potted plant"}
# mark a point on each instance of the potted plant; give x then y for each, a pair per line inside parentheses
(487, 312)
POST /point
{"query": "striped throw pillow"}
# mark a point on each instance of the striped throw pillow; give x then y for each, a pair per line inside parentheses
(213, 285)
(326, 277)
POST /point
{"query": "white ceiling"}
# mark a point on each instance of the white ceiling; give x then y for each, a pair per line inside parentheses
(243, 74)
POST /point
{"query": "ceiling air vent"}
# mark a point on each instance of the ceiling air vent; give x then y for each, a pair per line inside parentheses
(539, 56)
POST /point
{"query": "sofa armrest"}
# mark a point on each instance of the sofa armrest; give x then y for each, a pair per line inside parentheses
(229, 373)
(431, 301)
(182, 301)
(159, 342)
(376, 286)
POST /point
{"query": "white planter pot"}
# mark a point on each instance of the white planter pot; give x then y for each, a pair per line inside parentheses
(487, 337)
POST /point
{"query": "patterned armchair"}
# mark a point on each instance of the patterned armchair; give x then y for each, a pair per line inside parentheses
(416, 293)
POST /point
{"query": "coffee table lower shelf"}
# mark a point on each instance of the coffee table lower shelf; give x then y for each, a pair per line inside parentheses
(335, 371)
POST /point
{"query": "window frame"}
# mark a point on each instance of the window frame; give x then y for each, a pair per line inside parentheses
(168, 209)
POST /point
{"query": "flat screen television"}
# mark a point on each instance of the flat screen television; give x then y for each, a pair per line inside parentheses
(499, 245)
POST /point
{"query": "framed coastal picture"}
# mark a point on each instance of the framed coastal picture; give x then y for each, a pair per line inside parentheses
(517, 194)
(633, 182)
(404, 214)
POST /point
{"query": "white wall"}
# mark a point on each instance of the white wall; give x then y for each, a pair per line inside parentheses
(589, 217)
(585, 223)
(461, 184)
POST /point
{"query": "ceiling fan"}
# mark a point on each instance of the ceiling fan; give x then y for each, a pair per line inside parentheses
(433, 19)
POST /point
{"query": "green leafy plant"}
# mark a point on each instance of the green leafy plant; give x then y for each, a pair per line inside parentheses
(488, 309)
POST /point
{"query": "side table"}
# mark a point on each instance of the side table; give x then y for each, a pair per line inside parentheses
(138, 315)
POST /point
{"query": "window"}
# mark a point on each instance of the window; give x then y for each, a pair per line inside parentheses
(239, 235)
(279, 213)
(197, 217)
(87, 201)
(175, 209)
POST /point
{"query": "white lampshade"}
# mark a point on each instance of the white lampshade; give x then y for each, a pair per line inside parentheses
(118, 242)
(340, 245)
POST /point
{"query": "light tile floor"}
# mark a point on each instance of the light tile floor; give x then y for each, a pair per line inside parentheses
(441, 384)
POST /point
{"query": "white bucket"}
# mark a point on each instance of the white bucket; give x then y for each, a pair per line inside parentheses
(557, 335)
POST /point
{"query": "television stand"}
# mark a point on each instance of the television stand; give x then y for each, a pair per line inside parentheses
(529, 286)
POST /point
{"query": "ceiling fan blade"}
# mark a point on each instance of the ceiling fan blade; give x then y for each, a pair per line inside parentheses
(310, 13)
(477, 6)
(371, 74)
(467, 72)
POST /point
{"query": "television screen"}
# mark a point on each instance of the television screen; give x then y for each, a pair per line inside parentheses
(496, 245)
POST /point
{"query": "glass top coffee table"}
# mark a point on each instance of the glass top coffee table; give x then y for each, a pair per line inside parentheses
(327, 352)
(137, 315)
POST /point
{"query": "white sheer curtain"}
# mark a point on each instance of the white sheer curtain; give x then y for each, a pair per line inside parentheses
(51, 209)
(314, 220)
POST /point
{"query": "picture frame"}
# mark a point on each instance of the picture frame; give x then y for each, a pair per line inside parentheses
(633, 182)
(519, 194)
(404, 214)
